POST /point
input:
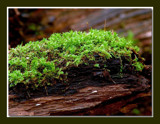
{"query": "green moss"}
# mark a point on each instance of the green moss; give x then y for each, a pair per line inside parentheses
(136, 111)
(96, 65)
(39, 62)
(138, 65)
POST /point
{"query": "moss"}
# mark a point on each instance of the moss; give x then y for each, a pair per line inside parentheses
(39, 62)
(96, 65)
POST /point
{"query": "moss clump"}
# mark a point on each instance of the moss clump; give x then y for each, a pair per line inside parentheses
(42, 62)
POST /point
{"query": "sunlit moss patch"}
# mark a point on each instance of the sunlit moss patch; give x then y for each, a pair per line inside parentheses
(40, 63)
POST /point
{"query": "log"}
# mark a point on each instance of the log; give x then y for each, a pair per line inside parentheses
(87, 101)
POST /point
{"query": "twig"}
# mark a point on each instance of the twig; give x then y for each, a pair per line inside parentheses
(28, 94)
(46, 90)
(16, 11)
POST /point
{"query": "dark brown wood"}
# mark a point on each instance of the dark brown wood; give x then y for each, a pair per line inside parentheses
(86, 99)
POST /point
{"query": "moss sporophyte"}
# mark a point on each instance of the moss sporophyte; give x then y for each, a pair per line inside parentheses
(40, 63)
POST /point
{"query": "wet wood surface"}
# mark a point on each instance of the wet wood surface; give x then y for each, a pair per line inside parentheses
(81, 103)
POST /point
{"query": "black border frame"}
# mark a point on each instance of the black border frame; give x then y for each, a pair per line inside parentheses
(30, 3)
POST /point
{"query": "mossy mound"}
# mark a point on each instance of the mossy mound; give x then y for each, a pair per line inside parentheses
(43, 63)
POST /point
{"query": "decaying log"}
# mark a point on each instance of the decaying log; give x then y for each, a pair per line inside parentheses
(88, 95)
(86, 100)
